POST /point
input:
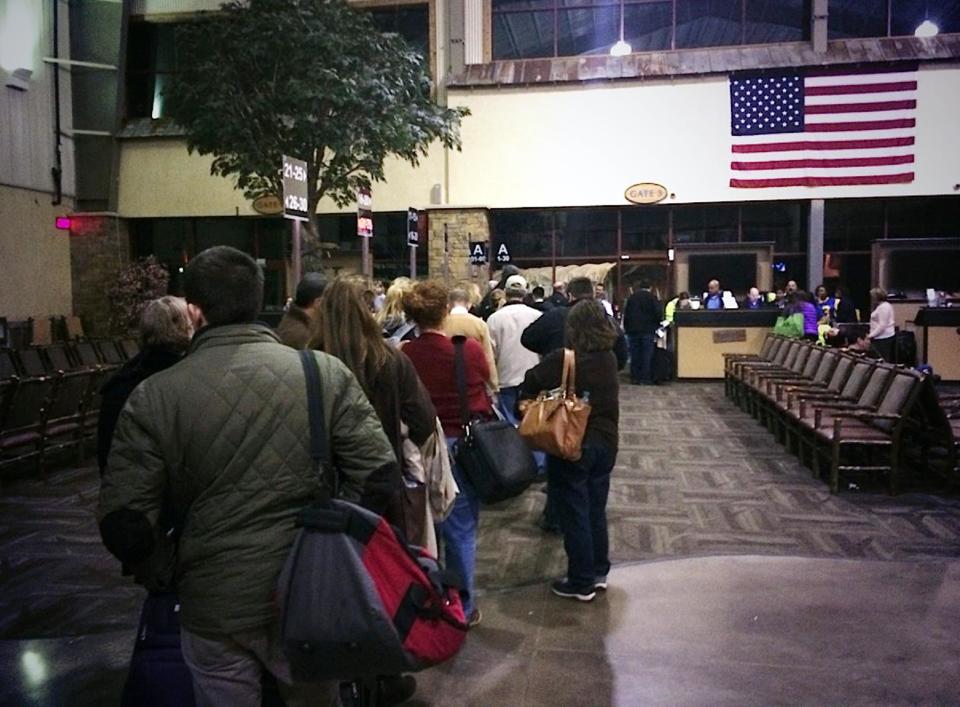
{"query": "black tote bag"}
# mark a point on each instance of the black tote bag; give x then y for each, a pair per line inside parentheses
(492, 455)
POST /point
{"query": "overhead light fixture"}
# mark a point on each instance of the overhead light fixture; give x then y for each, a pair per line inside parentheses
(621, 47)
(926, 29)
(20, 79)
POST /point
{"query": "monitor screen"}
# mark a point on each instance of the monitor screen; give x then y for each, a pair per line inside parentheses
(736, 272)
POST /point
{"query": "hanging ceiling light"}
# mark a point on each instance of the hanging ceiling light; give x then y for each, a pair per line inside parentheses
(926, 29)
(621, 48)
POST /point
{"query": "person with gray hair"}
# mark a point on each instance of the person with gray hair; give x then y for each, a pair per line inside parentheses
(165, 332)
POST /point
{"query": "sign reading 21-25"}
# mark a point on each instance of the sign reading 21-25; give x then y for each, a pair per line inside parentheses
(295, 189)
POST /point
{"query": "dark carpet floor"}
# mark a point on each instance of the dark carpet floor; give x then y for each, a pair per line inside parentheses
(694, 477)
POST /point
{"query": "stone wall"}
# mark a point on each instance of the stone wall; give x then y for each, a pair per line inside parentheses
(35, 281)
(99, 247)
(463, 226)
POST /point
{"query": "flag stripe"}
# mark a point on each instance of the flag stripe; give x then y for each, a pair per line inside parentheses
(820, 164)
(861, 125)
(825, 145)
(862, 71)
(844, 89)
(859, 117)
(859, 107)
(822, 181)
(859, 98)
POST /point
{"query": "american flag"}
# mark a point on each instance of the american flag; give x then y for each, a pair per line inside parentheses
(819, 128)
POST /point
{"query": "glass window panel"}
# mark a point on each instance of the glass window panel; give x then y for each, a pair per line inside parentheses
(587, 31)
(389, 235)
(141, 49)
(708, 23)
(784, 223)
(852, 224)
(705, 224)
(770, 21)
(412, 22)
(648, 26)
(235, 232)
(857, 18)
(645, 228)
(502, 5)
(906, 15)
(586, 232)
(924, 217)
(523, 35)
(273, 235)
(789, 267)
(528, 233)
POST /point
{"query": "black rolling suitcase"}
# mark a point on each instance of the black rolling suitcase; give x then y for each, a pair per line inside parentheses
(662, 367)
(158, 675)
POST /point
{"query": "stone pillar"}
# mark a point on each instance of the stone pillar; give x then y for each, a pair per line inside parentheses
(99, 247)
(463, 226)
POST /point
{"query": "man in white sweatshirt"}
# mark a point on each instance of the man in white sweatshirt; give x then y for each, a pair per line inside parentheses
(512, 359)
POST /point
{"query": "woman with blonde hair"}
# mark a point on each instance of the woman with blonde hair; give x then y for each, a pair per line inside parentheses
(391, 317)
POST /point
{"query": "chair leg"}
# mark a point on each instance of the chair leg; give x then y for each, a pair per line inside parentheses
(835, 469)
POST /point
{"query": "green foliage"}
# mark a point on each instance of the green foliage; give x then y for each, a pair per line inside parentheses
(313, 79)
(137, 284)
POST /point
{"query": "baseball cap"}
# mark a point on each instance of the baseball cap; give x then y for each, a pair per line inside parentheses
(516, 284)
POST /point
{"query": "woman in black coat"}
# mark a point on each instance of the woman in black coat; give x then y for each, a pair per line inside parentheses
(165, 332)
(580, 489)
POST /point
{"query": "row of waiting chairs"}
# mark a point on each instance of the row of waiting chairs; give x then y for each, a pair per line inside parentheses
(50, 401)
(831, 407)
(46, 360)
(39, 331)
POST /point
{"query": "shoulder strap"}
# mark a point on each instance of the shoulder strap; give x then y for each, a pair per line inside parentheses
(319, 452)
(568, 380)
(461, 375)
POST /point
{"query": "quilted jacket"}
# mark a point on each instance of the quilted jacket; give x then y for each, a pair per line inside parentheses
(224, 438)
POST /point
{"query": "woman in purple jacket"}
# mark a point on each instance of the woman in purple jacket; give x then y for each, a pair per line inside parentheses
(811, 317)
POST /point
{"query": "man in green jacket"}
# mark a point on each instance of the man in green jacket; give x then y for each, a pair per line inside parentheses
(220, 442)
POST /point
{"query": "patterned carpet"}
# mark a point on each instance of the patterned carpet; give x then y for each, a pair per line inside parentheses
(695, 476)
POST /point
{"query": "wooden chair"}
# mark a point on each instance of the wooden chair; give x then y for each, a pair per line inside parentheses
(41, 332)
(63, 425)
(879, 428)
(826, 364)
(22, 432)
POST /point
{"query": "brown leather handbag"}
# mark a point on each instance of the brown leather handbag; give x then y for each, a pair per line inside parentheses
(556, 420)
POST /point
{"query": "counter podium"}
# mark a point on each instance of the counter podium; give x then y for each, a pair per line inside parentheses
(701, 338)
(941, 340)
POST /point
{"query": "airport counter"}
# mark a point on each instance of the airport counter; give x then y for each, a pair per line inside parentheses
(940, 333)
(701, 337)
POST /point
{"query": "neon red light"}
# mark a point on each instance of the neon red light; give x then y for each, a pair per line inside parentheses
(63, 223)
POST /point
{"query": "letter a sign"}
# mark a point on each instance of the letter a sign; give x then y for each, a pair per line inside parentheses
(503, 255)
(478, 253)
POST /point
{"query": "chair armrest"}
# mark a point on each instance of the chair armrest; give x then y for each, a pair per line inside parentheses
(818, 412)
(840, 417)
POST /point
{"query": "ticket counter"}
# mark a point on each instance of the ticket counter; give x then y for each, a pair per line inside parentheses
(939, 330)
(700, 338)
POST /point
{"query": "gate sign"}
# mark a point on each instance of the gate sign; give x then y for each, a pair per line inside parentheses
(295, 189)
(413, 228)
(364, 213)
(478, 253)
(503, 255)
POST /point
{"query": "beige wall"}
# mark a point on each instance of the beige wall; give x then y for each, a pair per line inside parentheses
(564, 146)
(159, 178)
(583, 145)
(35, 256)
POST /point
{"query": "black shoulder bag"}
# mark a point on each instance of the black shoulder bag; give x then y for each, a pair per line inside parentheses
(492, 455)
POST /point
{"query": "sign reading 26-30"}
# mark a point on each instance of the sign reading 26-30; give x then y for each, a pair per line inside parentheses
(295, 189)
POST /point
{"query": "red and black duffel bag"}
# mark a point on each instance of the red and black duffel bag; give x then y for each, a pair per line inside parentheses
(356, 600)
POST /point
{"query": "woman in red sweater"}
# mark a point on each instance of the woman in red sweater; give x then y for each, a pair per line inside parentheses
(433, 356)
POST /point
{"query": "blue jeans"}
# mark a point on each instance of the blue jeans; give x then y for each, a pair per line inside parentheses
(641, 357)
(459, 531)
(580, 491)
